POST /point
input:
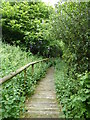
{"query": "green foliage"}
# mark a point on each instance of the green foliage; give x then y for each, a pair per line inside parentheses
(27, 24)
(14, 91)
(48, 31)
(72, 94)
(70, 25)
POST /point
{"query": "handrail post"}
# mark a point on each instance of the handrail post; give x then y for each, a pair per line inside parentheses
(32, 69)
(25, 77)
(12, 74)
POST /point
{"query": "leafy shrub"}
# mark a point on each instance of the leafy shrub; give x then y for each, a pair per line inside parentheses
(70, 26)
(73, 94)
(14, 91)
(27, 24)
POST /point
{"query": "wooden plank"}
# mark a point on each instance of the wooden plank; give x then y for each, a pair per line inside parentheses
(32, 69)
(12, 74)
(25, 77)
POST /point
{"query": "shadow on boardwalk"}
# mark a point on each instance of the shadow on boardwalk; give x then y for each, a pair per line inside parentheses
(43, 103)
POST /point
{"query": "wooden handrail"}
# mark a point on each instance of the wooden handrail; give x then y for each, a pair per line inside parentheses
(12, 74)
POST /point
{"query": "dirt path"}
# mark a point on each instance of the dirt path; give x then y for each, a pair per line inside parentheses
(43, 103)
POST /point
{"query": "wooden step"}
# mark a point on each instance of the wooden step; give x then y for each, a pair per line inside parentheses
(43, 103)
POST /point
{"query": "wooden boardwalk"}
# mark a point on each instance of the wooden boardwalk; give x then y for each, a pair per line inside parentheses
(43, 103)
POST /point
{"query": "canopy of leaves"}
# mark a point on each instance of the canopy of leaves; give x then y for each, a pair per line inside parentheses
(27, 24)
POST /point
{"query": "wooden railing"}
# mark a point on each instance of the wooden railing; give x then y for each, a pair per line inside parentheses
(12, 74)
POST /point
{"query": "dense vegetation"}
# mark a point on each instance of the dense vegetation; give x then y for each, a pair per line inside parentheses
(27, 25)
(14, 92)
(71, 26)
(73, 94)
(39, 29)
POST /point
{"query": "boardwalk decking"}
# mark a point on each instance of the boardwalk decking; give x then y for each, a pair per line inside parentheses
(43, 103)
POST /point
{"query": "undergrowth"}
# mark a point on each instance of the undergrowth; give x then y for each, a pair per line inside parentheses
(73, 94)
(14, 91)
